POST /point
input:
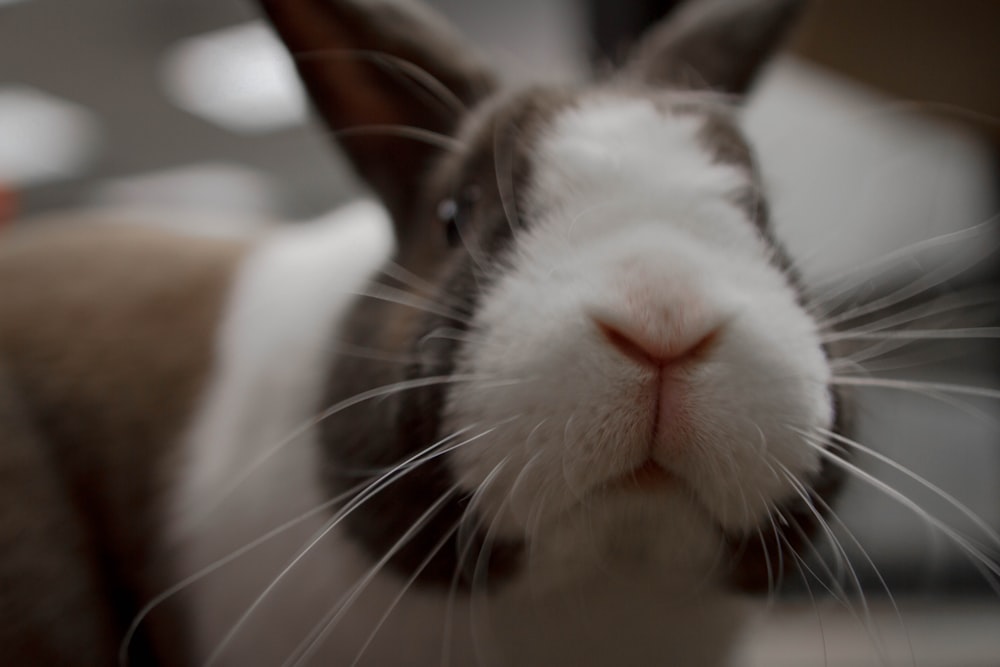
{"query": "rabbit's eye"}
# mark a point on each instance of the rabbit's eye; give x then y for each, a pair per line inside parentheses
(447, 212)
(455, 212)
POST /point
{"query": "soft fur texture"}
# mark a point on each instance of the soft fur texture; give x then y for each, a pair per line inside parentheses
(279, 307)
(549, 426)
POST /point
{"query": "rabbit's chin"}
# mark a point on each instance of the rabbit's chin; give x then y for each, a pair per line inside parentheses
(655, 363)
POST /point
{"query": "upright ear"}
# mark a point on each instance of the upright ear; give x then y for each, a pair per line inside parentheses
(713, 44)
(388, 77)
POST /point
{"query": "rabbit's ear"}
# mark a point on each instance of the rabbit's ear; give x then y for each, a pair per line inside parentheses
(716, 45)
(391, 80)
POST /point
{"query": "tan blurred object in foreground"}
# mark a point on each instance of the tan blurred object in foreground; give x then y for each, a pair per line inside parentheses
(8, 204)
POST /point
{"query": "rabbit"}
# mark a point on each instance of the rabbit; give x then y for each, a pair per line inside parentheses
(557, 399)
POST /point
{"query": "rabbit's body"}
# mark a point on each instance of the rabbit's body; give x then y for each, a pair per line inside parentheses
(230, 380)
(99, 384)
(562, 422)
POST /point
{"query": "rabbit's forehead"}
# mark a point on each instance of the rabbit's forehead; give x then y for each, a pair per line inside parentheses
(642, 149)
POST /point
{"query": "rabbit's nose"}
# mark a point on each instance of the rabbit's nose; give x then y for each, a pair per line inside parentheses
(656, 349)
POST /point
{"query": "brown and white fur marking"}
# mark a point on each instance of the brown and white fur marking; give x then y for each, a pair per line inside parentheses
(543, 421)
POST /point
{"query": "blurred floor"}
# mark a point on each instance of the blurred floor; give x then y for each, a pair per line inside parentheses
(942, 634)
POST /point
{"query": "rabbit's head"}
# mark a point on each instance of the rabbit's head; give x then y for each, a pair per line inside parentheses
(599, 349)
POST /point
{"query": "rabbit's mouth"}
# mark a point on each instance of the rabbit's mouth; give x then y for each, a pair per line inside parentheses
(648, 476)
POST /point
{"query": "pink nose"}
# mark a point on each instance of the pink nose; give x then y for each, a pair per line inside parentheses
(656, 351)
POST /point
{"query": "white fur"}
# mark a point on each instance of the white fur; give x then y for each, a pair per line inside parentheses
(634, 221)
(642, 232)
(272, 349)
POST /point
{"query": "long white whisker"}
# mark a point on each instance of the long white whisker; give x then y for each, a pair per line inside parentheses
(802, 567)
(345, 349)
(407, 277)
(481, 567)
(878, 575)
(315, 638)
(219, 564)
(964, 300)
(406, 587)
(864, 271)
(868, 620)
(914, 385)
(834, 587)
(374, 488)
(310, 423)
(915, 334)
(463, 544)
(843, 563)
(467, 527)
(970, 549)
(936, 490)
(919, 286)
(771, 581)
(382, 292)
(444, 95)
(508, 201)
(435, 139)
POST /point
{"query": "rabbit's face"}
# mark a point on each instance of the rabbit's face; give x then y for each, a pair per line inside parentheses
(587, 324)
(636, 351)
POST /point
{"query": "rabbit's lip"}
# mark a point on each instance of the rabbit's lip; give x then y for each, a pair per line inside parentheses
(648, 476)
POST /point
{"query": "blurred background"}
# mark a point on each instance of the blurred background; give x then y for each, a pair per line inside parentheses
(879, 136)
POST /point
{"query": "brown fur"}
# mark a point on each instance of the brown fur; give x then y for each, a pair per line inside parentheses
(348, 53)
(713, 44)
(106, 335)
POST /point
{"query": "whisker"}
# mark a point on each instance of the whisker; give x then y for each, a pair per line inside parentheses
(964, 300)
(908, 252)
(345, 349)
(429, 137)
(933, 488)
(374, 487)
(834, 588)
(923, 284)
(868, 620)
(508, 200)
(406, 587)
(843, 563)
(431, 83)
(481, 572)
(971, 550)
(308, 647)
(771, 589)
(950, 400)
(474, 254)
(466, 531)
(447, 333)
(872, 361)
(878, 574)
(802, 567)
(915, 334)
(464, 543)
(393, 295)
(378, 392)
(407, 277)
(218, 564)
(917, 385)
(565, 458)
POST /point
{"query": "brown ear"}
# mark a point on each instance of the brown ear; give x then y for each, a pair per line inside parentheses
(388, 77)
(714, 44)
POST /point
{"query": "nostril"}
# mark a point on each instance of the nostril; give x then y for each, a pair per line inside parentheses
(652, 350)
(628, 345)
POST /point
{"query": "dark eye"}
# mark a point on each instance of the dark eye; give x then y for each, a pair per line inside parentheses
(447, 212)
(455, 212)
